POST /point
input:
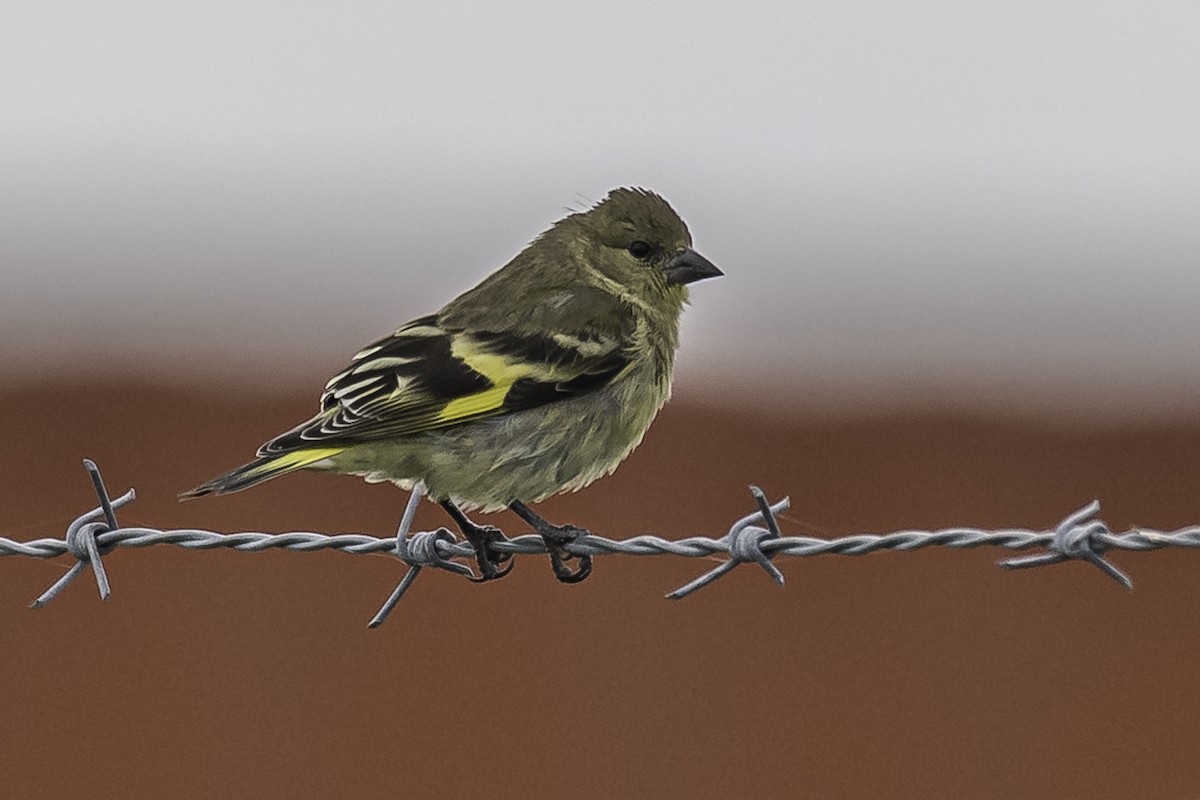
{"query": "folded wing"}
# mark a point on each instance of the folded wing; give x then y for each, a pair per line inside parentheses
(428, 375)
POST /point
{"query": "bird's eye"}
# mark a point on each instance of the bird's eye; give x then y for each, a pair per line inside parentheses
(640, 250)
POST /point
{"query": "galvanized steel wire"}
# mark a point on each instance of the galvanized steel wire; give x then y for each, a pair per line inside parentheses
(755, 538)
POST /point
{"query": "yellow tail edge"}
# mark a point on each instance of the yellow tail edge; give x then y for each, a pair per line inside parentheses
(263, 469)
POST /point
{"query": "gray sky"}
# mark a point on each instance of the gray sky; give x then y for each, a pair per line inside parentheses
(913, 202)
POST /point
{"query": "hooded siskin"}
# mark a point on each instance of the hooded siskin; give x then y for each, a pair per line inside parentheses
(539, 380)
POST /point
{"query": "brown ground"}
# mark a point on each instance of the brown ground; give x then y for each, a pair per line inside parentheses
(920, 675)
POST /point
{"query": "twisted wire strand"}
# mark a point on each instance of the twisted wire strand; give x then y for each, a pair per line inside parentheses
(754, 538)
(1139, 539)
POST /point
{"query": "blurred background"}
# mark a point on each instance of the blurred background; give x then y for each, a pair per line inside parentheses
(961, 251)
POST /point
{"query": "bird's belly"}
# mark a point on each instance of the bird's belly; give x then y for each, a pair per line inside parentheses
(527, 456)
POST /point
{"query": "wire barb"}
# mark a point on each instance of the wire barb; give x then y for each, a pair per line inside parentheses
(419, 551)
(1077, 537)
(745, 542)
(81, 539)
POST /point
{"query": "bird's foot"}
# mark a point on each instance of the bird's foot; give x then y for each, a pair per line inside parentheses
(489, 559)
(482, 539)
(556, 538)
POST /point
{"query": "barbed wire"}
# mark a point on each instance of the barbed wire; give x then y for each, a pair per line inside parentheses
(755, 538)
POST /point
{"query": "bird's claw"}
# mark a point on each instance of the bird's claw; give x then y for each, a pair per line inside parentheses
(555, 537)
(487, 557)
(564, 573)
(489, 572)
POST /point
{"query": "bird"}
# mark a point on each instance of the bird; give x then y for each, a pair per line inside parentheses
(539, 380)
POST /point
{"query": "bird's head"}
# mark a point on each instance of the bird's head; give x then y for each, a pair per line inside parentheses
(634, 238)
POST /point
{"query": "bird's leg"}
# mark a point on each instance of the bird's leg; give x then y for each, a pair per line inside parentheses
(555, 536)
(481, 538)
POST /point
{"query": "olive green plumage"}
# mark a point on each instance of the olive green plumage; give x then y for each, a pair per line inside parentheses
(539, 380)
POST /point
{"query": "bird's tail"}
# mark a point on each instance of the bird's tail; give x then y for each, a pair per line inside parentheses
(259, 470)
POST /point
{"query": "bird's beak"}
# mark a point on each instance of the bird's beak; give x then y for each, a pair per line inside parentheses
(688, 266)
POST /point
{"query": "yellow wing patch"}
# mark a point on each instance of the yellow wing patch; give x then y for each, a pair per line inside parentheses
(501, 371)
(473, 405)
